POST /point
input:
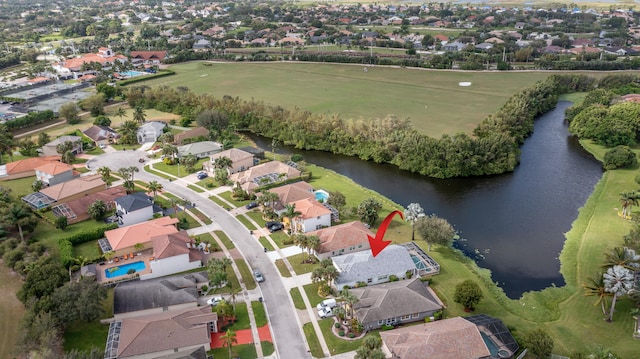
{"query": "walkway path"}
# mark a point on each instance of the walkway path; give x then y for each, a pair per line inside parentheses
(244, 336)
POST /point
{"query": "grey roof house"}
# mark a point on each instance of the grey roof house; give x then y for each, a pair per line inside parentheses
(150, 131)
(136, 298)
(135, 208)
(51, 148)
(200, 149)
(395, 302)
(364, 267)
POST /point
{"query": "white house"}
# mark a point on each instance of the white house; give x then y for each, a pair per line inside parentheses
(173, 253)
(363, 267)
(134, 208)
(313, 216)
(150, 131)
(52, 173)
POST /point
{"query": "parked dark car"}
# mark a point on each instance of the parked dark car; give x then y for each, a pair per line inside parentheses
(276, 227)
(202, 175)
(271, 223)
(251, 205)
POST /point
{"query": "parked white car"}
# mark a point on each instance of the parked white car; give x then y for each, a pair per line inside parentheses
(327, 303)
(213, 301)
(325, 313)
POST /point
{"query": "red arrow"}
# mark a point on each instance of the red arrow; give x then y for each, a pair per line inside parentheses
(377, 244)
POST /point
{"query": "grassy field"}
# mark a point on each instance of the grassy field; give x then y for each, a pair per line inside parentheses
(11, 310)
(425, 97)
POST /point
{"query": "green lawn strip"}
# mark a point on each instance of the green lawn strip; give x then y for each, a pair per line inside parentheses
(83, 336)
(257, 217)
(267, 348)
(259, 313)
(282, 268)
(192, 221)
(244, 351)
(48, 235)
(246, 222)
(337, 345)
(265, 243)
(231, 278)
(218, 201)
(247, 275)
(171, 169)
(171, 195)
(242, 317)
(236, 203)
(225, 239)
(312, 340)
(20, 187)
(312, 293)
(195, 188)
(148, 168)
(81, 169)
(281, 239)
(201, 216)
(141, 183)
(87, 249)
(299, 267)
(208, 183)
(298, 302)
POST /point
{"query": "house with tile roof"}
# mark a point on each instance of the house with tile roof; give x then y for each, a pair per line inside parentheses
(102, 135)
(51, 148)
(342, 239)
(152, 58)
(77, 210)
(291, 193)
(135, 208)
(158, 334)
(52, 173)
(132, 299)
(363, 267)
(180, 138)
(72, 68)
(123, 240)
(65, 191)
(200, 149)
(394, 303)
(173, 253)
(266, 173)
(313, 216)
(451, 338)
(24, 168)
(240, 160)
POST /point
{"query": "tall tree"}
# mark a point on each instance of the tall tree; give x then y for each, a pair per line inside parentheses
(413, 212)
(139, 115)
(69, 112)
(468, 294)
(349, 300)
(594, 286)
(301, 240)
(370, 348)
(6, 142)
(43, 139)
(313, 243)
(154, 187)
(539, 343)
(17, 215)
(619, 281)
(229, 339)
(628, 199)
(337, 200)
(97, 209)
(622, 256)
(120, 112)
(223, 162)
(291, 213)
(129, 132)
(105, 172)
(435, 230)
(81, 300)
(368, 210)
(65, 150)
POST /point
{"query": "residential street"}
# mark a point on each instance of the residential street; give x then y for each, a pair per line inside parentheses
(287, 331)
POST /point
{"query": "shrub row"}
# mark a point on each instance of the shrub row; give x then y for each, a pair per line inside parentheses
(65, 245)
(32, 119)
(160, 73)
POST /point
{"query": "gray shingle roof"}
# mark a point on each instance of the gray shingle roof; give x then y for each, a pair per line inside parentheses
(134, 201)
(156, 293)
(362, 265)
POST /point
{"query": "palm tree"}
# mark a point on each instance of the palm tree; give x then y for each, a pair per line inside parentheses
(229, 339)
(120, 112)
(619, 281)
(268, 201)
(154, 187)
(313, 243)
(291, 213)
(169, 150)
(301, 241)
(622, 256)
(139, 116)
(105, 172)
(223, 162)
(349, 300)
(413, 212)
(129, 131)
(97, 209)
(627, 200)
(17, 215)
(594, 286)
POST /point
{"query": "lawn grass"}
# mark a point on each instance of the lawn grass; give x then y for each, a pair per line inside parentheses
(11, 310)
(282, 268)
(299, 267)
(201, 216)
(298, 302)
(337, 345)
(259, 313)
(192, 222)
(265, 243)
(250, 226)
(257, 217)
(425, 97)
(225, 239)
(280, 238)
(244, 351)
(267, 348)
(219, 202)
(83, 336)
(87, 249)
(231, 279)
(247, 275)
(235, 203)
(195, 188)
(175, 170)
(312, 293)
(20, 187)
(148, 168)
(242, 317)
(312, 340)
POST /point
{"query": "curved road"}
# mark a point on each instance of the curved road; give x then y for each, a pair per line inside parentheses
(288, 338)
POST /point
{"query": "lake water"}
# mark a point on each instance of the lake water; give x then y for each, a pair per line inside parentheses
(512, 224)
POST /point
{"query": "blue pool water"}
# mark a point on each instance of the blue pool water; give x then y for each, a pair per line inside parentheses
(321, 195)
(132, 73)
(123, 269)
(493, 347)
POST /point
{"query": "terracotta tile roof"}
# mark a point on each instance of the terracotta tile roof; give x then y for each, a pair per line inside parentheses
(165, 331)
(148, 55)
(76, 63)
(342, 236)
(38, 80)
(453, 338)
(128, 236)
(632, 97)
(54, 168)
(75, 186)
(171, 244)
(292, 192)
(233, 154)
(310, 208)
(29, 164)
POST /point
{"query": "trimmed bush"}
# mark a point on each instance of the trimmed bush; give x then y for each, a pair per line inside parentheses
(341, 333)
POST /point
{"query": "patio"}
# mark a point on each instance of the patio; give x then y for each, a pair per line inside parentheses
(102, 267)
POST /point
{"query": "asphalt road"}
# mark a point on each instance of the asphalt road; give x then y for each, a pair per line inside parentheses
(287, 335)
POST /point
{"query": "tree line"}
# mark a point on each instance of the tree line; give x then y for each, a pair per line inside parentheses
(492, 149)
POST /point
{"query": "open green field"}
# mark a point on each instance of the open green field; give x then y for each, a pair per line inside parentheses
(432, 100)
(11, 310)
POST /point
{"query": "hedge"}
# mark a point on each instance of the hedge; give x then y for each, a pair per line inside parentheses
(160, 73)
(91, 235)
(32, 119)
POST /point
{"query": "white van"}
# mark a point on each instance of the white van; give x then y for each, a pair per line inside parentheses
(327, 303)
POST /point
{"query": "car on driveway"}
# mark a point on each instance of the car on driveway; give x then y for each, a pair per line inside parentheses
(325, 313)
(271, 223)
(276, 227)
(258, 276)
(213, 301)
(202, 175)
(251, 205)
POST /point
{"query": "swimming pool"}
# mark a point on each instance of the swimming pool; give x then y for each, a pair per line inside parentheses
(123, 269)
(321, 195)
(132, 73)
(419, 263)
